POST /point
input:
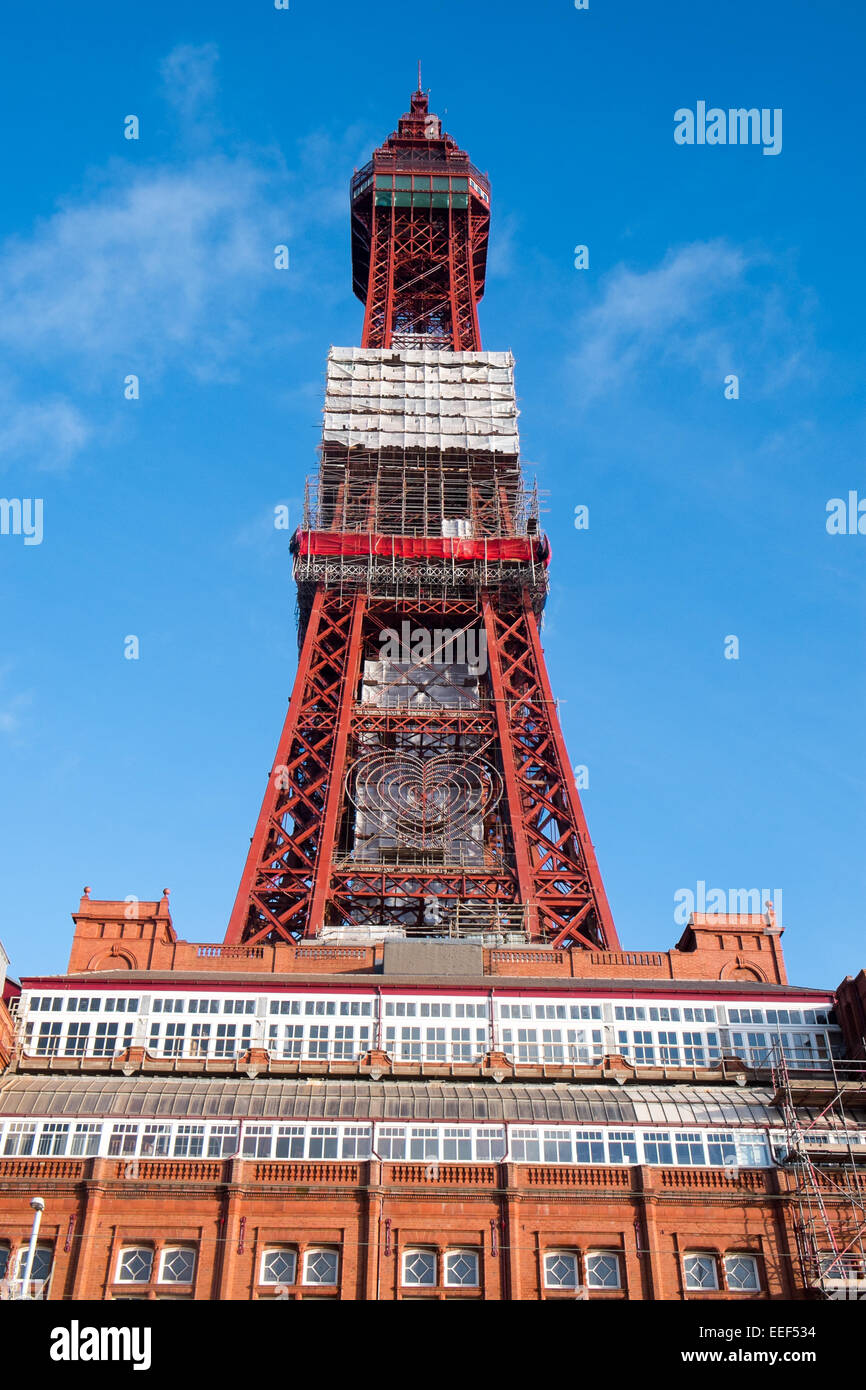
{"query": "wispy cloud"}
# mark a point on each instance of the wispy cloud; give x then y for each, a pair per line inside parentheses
(142, 274)
(712, 305)
(189, 76)
(11, 707)
(52, 431)
(161, 268)
(502, 257)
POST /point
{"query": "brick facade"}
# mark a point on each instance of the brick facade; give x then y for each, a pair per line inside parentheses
(370, 1213)
(115, 935)
(509, 1215)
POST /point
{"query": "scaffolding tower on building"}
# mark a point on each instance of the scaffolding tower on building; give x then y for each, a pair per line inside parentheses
(827, 1169)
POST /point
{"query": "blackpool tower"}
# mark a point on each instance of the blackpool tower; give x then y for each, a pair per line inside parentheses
(421, 783)
(419, 1065)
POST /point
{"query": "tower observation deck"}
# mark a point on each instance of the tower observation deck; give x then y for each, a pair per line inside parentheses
(421, 784)
(420, 223)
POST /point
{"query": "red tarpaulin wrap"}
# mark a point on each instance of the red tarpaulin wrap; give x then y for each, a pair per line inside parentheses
(492, 549)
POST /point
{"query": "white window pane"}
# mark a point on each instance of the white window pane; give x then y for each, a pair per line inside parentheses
(700, 1272)
(177, 1267)
(560, 1270)
(419, 1267)
(279, 1267)
(602, 1270)
(135, 1266)
(741, 1271)
(461, 1268)
(320, 1267)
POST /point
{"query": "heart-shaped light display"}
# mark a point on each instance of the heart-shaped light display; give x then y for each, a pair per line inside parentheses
(423, 803)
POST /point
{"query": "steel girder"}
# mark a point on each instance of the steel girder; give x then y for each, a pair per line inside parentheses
(422, 277)
(285, 869)
(560, 878)
(300, 874)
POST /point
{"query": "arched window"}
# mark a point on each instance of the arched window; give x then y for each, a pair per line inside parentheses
(741, 1272)
(602, 1269)
(419, 1267)
(321, 1266)
(701, 1271)
(177, 1265)
(135, 1265)
(560, 1270)
(42, 1261)
(279, 1266)
(461, 1268)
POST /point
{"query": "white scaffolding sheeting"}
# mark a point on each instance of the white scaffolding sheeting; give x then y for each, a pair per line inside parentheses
(381, 398)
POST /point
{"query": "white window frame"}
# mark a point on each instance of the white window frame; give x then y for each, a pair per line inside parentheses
(156, 1140)
(20, 1139)
(134, 1250)
(123, 1140)
(456, 1253)
(701, 1255)
(427, 1253)
(86, 1139)
(324, 1138)
(552, 1255)
(287, 1252)
(43, 1248)
(257, 1141)
(290, 1137)
(393, 1136)
(603, 1255)
(747, 1257)
(309, 1255)
(224, 1139)
(164, 1256)
(188, 1141)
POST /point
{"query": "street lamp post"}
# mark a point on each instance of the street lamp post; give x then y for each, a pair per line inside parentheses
(38, 1205)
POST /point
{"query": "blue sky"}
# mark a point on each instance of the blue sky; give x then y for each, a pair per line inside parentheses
(707, 516)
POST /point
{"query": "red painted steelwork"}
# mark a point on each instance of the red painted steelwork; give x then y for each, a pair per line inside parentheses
(299, 876)
(528, 865)
(274, 898)
(565, 888)
(420, 224)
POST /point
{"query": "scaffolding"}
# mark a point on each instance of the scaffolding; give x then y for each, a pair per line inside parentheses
(460, 493)
(420, 443)
(828, 1171)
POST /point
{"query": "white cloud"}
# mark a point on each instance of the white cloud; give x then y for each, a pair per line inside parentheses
(189, 78)
(142, 272)
(157, 268)
(705, 305)
(47, 433)
(502, 255)
(10, 712)
(160, 268)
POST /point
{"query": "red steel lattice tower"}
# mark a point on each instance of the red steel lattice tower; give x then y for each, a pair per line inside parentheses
(421, 785)
(420, 222)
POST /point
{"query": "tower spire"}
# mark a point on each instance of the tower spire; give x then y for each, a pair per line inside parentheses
(420, 221)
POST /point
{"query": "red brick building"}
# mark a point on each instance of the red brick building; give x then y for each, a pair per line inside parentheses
(422, 1119)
